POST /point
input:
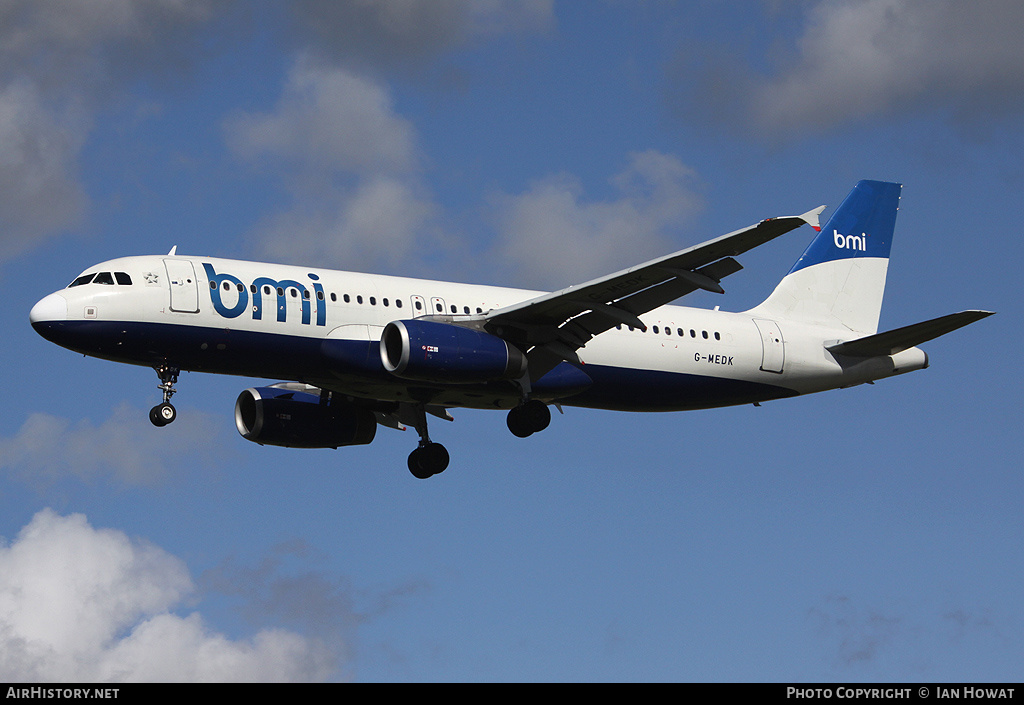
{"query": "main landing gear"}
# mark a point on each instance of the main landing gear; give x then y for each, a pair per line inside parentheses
(528, 418)
(164, 413)
(429, 458)
(432, 458)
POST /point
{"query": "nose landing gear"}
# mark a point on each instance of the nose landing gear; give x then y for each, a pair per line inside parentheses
(164, 413)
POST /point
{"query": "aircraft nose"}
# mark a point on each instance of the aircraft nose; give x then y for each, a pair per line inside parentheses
(49, 308)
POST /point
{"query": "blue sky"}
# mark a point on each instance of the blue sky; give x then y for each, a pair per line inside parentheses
(865, 534)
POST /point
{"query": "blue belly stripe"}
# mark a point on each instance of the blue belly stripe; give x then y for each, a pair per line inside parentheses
(296, 358)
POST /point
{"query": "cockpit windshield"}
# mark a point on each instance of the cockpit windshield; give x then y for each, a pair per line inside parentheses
(122, 278)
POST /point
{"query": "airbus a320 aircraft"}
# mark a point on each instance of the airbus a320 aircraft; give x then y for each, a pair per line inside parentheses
(360, 350)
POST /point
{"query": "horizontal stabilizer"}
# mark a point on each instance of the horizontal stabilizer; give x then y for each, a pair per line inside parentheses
(900, 339)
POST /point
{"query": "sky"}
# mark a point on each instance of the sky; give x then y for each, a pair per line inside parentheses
(866, 534)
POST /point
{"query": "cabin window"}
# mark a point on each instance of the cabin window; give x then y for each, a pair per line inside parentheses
(334, 297)
(280, 291)
(385, 301)
(419, 306)
(305, 293)
(320, 295)
(655, 330)
(717, 336)
(347, 298)
(359, 299)
(266, 290)
(681, 332)
(705, 334)
(398, 303)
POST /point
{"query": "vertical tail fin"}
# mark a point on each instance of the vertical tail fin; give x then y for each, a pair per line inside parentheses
(839, 280)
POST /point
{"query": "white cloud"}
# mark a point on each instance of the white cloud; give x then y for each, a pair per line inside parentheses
(352, 167)
(125, 448)
(328, 119)
(553, 236)
(59, 59)
(375, 226)
(863, 58)
(85, 604)
(392, 32)
(39, 189)
(78, 26)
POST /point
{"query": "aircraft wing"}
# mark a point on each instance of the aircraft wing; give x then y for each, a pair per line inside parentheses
(553, 326)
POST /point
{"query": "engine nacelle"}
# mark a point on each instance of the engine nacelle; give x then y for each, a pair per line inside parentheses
(282, 417)
(440, 352)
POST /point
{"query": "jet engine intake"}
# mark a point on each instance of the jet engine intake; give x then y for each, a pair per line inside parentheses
(281, 417)
(429, 351)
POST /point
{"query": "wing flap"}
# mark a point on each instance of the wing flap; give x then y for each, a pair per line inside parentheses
(900, 339)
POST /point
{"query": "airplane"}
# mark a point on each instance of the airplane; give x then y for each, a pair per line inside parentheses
(357, 351)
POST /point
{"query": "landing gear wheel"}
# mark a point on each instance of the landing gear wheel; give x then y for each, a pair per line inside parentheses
(428, 460)
(538, 413)
(518, 423)
(530, 418)
(162, 414)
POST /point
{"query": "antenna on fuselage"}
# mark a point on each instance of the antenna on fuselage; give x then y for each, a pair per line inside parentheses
(174, 251)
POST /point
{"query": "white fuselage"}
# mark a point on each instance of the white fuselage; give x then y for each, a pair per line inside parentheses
(267, 320)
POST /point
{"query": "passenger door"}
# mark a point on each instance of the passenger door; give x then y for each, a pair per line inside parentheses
(181, 277)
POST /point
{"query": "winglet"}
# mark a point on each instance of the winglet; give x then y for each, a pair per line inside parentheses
(811, 217)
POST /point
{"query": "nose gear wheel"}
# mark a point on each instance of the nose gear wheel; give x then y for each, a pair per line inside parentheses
(164, 413)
